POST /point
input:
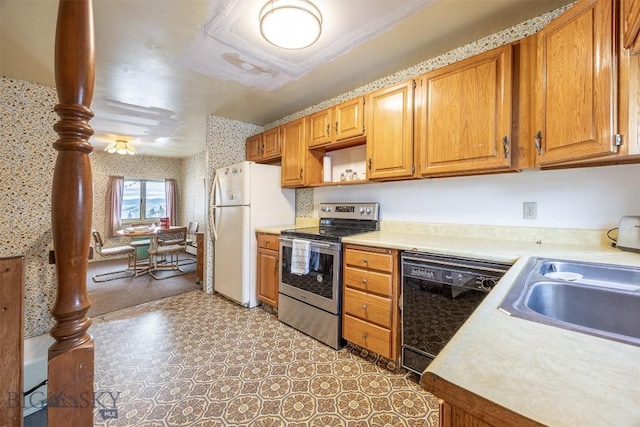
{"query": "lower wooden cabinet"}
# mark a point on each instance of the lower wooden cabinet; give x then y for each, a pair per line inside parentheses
(370, 299)
(267, 275)
(461, 408)
(199, 257)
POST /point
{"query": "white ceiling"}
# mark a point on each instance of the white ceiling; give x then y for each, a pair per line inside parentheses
(162, 66)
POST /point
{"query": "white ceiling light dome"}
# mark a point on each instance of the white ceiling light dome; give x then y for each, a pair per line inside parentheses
(290, 24)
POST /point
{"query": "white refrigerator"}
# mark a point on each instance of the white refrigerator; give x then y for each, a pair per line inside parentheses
(244, 196)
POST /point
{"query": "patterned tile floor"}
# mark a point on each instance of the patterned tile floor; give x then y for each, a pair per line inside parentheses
(200, 360)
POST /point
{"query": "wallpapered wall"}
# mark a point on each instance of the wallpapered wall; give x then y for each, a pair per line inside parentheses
(194, 192)
(27, 160)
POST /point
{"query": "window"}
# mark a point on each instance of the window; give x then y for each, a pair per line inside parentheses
(143, 199)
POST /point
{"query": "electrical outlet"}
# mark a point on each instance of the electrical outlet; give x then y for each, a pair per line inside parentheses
(529, 210)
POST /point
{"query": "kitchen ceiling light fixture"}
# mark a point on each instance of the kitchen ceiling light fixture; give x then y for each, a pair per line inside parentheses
(290, 24)
(120, 146)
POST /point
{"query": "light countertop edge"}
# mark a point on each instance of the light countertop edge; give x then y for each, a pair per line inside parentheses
(274, 230)
(550, 375)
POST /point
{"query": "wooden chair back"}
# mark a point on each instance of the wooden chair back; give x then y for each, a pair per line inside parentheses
(193, 228)
(97, 240)
(171, 236)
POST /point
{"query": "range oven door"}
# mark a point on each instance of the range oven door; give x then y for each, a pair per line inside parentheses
(320, 287)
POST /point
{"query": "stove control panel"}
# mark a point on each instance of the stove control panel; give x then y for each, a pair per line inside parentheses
(368, 211)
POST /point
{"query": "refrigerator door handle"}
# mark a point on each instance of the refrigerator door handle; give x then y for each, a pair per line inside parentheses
(212, 209)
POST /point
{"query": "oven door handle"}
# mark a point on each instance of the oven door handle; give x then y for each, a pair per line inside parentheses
(313, 243)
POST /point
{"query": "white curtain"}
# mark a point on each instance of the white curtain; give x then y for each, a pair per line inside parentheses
(115, 192)
(172, 205)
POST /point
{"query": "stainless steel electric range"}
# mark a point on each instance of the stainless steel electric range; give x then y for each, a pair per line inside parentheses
(310, 295)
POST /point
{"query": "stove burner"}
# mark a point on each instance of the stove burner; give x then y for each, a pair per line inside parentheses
(327, 233)
(338, 220)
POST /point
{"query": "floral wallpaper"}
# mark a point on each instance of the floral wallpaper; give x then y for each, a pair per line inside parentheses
(194, 191)
(27, 160)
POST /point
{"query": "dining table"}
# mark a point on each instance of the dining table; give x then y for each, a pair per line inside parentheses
(141, 236)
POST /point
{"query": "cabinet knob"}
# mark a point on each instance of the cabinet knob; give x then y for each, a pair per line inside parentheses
(364, 281)
(364, 336)
(365, 260)
(364, 306)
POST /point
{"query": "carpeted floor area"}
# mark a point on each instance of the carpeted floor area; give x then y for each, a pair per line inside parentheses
(116, 294)
(201, 360)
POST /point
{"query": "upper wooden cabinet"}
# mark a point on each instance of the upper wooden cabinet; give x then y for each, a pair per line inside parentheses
(349, 119)
(264, 147)
(390, 132)
(576, 85)
(254, 148)
(631, 25)
(300, 166)
(320, 128)
(464, 115)
(335, 125)
(271, 144)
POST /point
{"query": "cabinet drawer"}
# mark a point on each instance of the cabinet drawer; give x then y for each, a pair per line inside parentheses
(369, 281)
(268, 241)
(367, 335)
(371, 260)
(368, 307)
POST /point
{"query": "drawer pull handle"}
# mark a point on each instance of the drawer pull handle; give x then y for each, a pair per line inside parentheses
(364, 281)
(364, 306)
(365, 260)
(364, 336)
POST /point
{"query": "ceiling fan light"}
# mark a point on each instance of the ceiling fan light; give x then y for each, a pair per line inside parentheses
(290, 24)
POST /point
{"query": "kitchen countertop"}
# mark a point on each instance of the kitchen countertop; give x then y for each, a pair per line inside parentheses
(550, 375)
(274, 230)
(300, 223)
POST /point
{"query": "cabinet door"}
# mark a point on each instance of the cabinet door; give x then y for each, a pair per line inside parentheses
(631, 25)
(253, 148)
(575, 86)
(268, 276)
(294, 148)
(349, 119)
(390, 132)
(320, 128)
(465, 115)
(271, 144)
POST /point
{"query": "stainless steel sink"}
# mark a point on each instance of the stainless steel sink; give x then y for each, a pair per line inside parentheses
(597, 299)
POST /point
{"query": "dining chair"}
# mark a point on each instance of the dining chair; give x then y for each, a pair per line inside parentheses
(114, 251)
(164, 252)
(191, 232)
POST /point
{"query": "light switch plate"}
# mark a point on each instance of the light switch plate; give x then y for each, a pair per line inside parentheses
(529, 210)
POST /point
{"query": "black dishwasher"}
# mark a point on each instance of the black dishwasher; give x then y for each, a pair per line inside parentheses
(439, 293)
